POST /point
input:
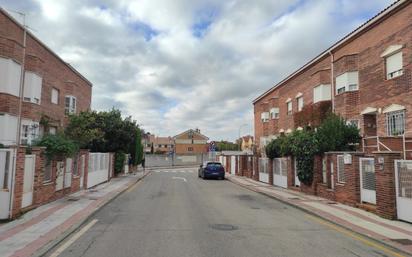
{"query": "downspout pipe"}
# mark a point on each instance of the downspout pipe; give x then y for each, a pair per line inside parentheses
(332, 83)
(18, 136)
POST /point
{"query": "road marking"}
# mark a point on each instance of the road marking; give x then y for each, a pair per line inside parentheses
(73, 238)
(356, 237)
(180, 178)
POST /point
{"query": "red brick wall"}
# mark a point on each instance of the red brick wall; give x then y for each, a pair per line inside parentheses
(385, 184)
(54, 72)
(197, 148)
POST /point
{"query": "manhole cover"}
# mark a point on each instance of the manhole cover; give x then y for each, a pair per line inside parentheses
(403, 241)
(223, 227)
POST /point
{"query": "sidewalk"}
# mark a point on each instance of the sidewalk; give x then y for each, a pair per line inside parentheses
(40, 229)
(394, 233)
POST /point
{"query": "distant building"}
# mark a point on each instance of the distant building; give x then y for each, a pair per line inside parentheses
(191, 141)
(163, 145)
(246, 143)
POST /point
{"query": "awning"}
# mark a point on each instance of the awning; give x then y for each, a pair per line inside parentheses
(391, 50)
(394, 108)
(299, 95)
(369, 110)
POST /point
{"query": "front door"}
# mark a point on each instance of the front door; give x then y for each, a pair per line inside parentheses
(6, 165)
(367, 180)
(403, 180)
(28, 180)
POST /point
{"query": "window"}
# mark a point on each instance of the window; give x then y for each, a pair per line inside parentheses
(321, 93)
(70, 105)
(264, 116)
(394, 65)
(300, 103)
(47, 175)
(52, 130)
(395, 123)
(190, 149)
(10, 72)
(29, 131)
(8, 128)
(353, 123)
(289, 108)
(55, 96)
(347, 81)
(32, 87)
(274, 113)
(341, 169)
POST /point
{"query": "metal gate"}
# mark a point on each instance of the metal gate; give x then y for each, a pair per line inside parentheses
(263, 170)
(98, 169)
(367, 180)
(28, 180)
(295, 168)
(59, 175)
(6, 166)
(280, 172)
(68, 173)
(82, 166)
(233, 165)
(403, 176)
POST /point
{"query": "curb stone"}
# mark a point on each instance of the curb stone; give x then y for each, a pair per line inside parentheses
(392, 247)
(49, 246)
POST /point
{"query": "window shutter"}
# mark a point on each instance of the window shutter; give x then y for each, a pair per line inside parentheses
(394, 63)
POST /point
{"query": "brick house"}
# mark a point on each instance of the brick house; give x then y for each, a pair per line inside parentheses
(51, 89)
(163, 144)
(191, 142)
(366, 78)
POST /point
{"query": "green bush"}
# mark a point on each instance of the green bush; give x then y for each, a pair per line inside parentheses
(335, 135)
(2, 146)
(57, 146)
(119, 159)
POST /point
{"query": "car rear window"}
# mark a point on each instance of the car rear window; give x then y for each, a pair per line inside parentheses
(214, 165)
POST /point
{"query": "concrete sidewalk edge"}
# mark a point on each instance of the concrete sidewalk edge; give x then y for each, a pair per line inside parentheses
(392, 247)
(49, 246)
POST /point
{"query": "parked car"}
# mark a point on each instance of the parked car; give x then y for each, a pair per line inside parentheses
(211, 170)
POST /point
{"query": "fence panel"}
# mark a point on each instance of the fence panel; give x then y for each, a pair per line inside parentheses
(98, 169)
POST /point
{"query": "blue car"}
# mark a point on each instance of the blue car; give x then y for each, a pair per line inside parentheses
(211, 170)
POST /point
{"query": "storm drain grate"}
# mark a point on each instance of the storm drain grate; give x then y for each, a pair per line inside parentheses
(332, 203)
(223, 227)
(403, 241)
(73, 199)
(294, 198)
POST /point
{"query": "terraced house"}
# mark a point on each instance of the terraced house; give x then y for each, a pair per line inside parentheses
(366, 77)
(37, 92)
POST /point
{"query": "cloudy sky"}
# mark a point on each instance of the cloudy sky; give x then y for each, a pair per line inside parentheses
(179, 64)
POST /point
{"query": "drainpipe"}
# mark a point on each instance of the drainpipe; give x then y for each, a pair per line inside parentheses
(19, 116)
(332, 84)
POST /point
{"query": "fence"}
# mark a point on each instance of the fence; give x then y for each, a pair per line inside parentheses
(167, 160)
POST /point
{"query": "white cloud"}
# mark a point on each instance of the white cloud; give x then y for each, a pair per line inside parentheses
(181, 64)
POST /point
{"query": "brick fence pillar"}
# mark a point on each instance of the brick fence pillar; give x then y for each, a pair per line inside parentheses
(256, 168)
(18, 181)
(385, 183)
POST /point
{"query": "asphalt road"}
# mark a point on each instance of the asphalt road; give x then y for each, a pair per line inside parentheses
(176, 214)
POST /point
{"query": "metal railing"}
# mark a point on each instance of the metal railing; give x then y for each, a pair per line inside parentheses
(378, 143)
(405, 142)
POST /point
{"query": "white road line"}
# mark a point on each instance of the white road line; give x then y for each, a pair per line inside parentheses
(180, 178)
(73, 238)
(166, 171)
